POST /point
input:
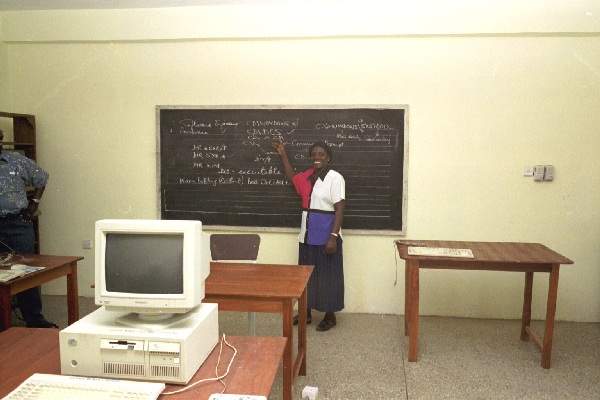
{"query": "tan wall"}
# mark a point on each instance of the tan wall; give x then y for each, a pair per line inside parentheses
(5, 123)
(4, 96)
(482, 107)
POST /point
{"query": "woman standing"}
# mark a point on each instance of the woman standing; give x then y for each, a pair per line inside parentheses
(322, 191)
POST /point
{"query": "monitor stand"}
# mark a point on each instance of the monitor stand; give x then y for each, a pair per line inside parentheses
(152, 322)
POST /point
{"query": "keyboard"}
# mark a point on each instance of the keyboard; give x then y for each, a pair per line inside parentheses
(440, 252)
(64, 387)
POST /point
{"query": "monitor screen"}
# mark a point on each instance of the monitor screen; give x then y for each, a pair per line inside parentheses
(144, 263)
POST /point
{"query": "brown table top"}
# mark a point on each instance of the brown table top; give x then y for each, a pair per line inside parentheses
(24, 351)
(252, 372)
(501, 252)
(257, 280)
(41, 260)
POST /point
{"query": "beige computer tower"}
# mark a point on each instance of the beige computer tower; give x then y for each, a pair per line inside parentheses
(112, 344)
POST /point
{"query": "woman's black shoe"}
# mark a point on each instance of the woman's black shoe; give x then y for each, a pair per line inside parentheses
(308, 319)
(326, 325)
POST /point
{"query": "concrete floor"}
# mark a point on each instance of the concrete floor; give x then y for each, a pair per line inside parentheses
(364, 357)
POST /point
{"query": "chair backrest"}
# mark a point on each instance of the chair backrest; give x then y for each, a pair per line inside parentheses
(234, 247)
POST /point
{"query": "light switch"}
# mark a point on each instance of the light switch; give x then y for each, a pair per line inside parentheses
(528, 171)
(538, 173)
(86, 244)
(549, 172)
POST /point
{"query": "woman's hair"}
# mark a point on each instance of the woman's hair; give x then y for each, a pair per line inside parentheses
(322, 145)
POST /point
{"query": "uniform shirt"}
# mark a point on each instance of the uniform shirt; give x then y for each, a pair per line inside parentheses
(17, 172)
(318, 212)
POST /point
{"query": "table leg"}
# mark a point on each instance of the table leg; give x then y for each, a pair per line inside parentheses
(526, 318)
(406, 298)
(5, 307)
(413, 312)
(302, 349)
(288, 370)
(72, 294)
(550, 311)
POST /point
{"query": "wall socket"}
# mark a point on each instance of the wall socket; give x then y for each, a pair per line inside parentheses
(528, 171)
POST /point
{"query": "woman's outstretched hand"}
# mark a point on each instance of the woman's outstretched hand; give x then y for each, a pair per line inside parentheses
(279, 148)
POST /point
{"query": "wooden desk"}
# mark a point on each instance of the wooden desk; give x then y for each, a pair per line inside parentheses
(514, 257)
(54, 267)
(265, 288)
(25, 351)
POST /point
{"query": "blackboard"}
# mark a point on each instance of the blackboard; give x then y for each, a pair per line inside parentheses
(217, 165)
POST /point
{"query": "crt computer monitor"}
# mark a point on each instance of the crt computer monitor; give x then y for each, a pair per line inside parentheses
(151, 267)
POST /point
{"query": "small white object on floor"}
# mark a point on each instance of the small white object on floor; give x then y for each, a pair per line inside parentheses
(310, 392)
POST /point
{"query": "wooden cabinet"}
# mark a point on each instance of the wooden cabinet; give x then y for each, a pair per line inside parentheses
(23, 141)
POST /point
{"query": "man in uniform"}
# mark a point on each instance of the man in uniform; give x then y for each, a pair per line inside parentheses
(17, 173)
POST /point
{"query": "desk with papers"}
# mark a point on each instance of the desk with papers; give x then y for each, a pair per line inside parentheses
(495, 256)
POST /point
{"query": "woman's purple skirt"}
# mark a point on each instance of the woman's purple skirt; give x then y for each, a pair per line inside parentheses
(326, 284)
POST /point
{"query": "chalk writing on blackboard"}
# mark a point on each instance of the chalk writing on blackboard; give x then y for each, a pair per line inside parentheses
(218, 164)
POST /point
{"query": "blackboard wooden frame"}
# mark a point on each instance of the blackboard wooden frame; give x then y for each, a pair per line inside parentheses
(403, 150)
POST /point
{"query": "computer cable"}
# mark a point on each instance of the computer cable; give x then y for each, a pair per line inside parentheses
(217, 377)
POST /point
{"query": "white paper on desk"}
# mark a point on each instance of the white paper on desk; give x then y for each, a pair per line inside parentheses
(8, 274)
(25, 269)
(440, 252)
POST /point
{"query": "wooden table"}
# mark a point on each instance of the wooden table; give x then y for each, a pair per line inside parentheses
(54, 267)
(269, 288)
(494, 256)
(24, 351)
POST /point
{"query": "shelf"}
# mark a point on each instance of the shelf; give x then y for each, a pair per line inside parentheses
(18, 144)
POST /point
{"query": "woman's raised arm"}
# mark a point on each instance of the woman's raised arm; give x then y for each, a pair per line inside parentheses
(287, 167)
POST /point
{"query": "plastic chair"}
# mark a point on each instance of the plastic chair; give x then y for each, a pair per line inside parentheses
(236, 248)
